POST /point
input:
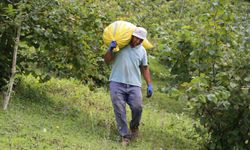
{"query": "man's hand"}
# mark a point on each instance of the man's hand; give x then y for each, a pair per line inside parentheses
(108, 57)
(149, 90)
(112, 45)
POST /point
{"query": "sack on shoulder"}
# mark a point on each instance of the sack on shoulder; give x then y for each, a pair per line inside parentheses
(121, 32)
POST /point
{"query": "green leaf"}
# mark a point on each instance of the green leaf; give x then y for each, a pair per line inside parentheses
(247, 79)
(212, 98)
(186, 27)
(211, 52)
(233, 84)
(202, 98)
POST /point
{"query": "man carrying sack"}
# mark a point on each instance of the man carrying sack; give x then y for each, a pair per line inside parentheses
(125, 82)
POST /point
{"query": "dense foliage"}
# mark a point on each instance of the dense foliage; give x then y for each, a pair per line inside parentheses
(58, 38)
(209, 58)
(203, 44)
(213, 54)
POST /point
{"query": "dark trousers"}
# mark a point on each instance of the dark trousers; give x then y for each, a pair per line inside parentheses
(122, 94)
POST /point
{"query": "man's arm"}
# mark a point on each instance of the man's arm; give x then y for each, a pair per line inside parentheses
(108, 57)
(146, 74)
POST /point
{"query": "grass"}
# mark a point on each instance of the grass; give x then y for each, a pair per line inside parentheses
(63, 114)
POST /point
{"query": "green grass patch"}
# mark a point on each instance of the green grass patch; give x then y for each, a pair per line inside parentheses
(64, 114)
(158, 70)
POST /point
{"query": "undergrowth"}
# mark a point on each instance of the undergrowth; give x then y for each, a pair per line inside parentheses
(64, 114)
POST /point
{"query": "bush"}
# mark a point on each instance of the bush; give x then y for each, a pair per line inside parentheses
(223, 110)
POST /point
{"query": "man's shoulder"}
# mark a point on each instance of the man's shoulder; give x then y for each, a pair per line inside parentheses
(140, 49)
(143, 49)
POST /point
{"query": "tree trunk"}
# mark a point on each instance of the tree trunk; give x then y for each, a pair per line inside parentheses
(7, 94)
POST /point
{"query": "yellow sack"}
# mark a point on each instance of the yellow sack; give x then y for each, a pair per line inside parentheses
(121, 32)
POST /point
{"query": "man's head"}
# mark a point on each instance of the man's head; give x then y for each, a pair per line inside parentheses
(138, 36)
(140, 32)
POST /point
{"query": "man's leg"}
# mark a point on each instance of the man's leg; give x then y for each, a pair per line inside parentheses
(118, 97)
(135, 103)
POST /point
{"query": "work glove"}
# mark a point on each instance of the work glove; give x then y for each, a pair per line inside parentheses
(112, 45)
(149, 90)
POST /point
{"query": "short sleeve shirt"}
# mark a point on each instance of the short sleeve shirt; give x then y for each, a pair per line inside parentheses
(126, 65)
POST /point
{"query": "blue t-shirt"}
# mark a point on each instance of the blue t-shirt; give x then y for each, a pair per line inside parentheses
(126, 65)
